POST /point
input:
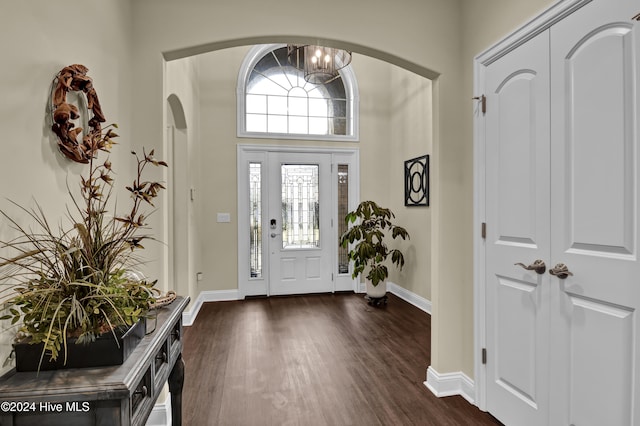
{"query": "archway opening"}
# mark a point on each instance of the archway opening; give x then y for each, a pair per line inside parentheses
(179, 213)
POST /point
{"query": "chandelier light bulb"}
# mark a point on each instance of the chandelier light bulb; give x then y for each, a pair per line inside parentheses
(319, 64)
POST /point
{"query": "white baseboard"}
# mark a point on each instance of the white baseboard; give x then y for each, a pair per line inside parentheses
(161, 413)
(188, 317)
(409, 296)
(207, 296)
(449, 384)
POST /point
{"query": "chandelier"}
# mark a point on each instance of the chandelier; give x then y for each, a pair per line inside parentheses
(319, 64)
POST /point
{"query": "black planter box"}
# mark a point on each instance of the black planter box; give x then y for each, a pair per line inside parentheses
(104, 351)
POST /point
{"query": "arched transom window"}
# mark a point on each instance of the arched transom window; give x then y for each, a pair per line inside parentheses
(274, 100)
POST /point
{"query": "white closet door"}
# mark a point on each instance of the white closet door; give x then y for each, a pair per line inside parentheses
(594, 217)
(517, 215)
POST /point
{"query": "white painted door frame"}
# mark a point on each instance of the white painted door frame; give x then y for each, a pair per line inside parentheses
(247, 153)
(534, 27)
(179, 214)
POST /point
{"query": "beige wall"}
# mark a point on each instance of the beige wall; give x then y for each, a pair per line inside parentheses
(422, 36)
(390, 98)
(40, 37)
(181, 80)
(434, 38)
(375, 128)
(217, 187)
(411, 118)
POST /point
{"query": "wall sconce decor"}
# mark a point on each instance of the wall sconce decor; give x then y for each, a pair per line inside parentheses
(416, 181)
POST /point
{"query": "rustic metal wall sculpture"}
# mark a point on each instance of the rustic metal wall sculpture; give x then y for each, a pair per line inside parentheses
(416, 181)
(74, 78)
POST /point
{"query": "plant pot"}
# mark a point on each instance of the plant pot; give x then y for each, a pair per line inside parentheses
(104, 351)
(378, 291)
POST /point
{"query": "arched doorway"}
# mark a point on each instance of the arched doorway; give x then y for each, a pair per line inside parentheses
(179, 197)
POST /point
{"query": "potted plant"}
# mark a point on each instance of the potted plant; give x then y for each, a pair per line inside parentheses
(370, 235)
(77, 282)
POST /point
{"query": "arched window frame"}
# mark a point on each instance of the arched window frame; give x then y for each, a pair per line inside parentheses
(351, 89)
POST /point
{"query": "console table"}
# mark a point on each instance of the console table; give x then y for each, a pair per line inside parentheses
(104, 396)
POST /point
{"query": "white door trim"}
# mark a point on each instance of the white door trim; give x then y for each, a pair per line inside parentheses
(258, 152)
(534, 27)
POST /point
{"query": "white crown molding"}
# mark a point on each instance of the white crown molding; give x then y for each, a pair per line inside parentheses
(531, 29)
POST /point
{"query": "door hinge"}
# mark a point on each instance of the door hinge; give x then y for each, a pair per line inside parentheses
(332, 276)
(483, 231)
(484, 355)
(483, 102)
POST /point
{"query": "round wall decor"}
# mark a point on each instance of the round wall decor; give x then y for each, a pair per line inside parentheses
(74, 78)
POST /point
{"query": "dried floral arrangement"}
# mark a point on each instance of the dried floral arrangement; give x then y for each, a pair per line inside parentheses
(76, 280)
(74, 78)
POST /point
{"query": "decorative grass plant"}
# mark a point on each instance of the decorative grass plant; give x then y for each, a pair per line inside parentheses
(78, 280)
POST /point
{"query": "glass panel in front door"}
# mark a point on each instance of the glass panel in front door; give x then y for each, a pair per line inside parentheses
(343, 209)
(300, 206)
(255, 219)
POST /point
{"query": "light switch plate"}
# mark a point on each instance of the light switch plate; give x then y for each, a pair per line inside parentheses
(224, 217)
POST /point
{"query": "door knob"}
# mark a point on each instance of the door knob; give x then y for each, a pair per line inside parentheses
(561, 271)
(538, 266)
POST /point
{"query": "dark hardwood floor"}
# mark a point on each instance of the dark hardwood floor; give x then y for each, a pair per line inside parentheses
(314, 360)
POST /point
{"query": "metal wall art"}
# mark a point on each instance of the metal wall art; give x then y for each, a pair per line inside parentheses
(416, 181)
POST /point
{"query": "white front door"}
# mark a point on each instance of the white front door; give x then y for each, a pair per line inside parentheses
(517, 215)
(562, 186)
(291, 207)
(301, 241)
(595, 331)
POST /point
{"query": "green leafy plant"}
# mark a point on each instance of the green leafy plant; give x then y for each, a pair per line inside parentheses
(77, 280)
(373, 227)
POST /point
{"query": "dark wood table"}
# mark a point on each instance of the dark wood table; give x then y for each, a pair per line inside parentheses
(106, 396)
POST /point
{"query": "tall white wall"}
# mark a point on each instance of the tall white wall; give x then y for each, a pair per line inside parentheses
(40, 37)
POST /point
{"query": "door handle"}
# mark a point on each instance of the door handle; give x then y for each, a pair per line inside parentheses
(538, 266)
(561, 271)
(273, 235)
